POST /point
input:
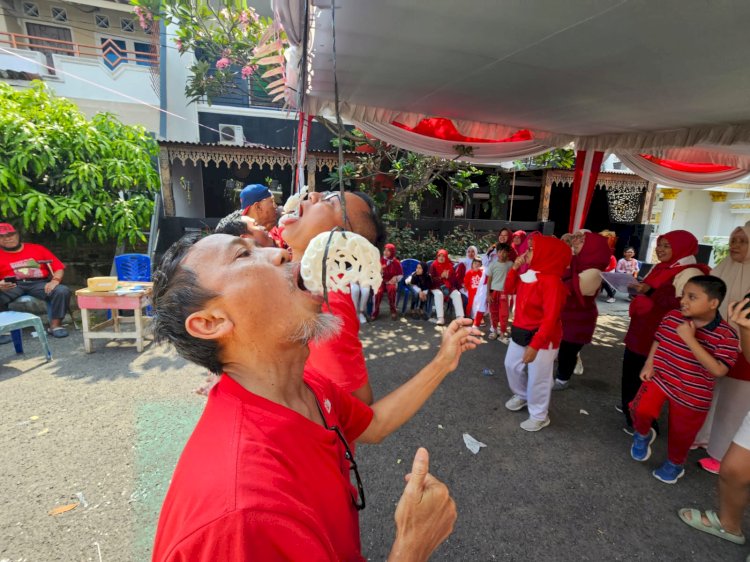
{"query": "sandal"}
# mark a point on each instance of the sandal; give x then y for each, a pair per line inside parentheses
(58, 332)
(710, 464)
(713, 528)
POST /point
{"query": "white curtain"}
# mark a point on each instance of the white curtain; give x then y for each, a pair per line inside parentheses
(483, 153)
(674, 178)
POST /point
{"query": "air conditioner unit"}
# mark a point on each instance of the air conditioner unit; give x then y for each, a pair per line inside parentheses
(231, 134)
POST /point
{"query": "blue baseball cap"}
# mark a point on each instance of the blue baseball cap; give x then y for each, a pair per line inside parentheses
(253, 193)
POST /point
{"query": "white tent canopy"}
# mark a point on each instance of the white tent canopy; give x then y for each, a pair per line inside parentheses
(609, 74)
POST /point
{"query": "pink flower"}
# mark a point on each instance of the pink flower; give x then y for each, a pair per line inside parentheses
(178, 42)
(222, 63)
(248, 70)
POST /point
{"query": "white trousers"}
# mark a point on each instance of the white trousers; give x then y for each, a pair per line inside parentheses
(532, 382)
(458, 304)
(360, 296)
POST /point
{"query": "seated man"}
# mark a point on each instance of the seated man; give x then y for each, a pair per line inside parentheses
(31, 269)
(266, 472)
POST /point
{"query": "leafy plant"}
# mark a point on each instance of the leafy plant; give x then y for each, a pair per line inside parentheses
(63, 173)
(562, 158)
(398, 178)
(410, 245)
(721, 249)
(230, 42)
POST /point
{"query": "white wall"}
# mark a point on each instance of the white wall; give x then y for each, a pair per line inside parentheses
(196, 207)
(183, 127)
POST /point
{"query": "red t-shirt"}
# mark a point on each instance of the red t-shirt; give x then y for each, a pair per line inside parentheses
(25, 264)
(341, 358)
(677, 371)
(471, 281)
(258, 481)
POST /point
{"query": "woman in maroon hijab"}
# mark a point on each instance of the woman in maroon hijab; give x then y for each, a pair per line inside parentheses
(579, 314)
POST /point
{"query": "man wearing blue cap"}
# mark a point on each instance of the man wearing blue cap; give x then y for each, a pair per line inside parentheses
(257, 203)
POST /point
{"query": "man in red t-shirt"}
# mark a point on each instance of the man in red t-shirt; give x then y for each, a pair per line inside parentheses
(31, 269)
(266, 472)
(340, 359)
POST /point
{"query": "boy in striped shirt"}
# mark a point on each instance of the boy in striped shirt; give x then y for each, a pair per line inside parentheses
(692, 348)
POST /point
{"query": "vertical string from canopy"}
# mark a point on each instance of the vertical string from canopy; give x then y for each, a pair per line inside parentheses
(339, 123)
(512, 195)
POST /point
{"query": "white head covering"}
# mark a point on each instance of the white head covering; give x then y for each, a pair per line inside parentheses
(735, 274)
(467, 260)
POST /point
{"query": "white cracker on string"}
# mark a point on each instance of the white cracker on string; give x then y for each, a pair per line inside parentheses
(351, 259)
(292, 204)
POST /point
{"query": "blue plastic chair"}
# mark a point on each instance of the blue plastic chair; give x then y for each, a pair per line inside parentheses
(403, 290)
(133, 267)
(13, 322)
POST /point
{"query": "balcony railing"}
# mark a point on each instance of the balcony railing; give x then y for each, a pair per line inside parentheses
(112, 52)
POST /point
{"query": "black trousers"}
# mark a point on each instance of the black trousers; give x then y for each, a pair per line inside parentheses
(59, 298)
(632, 365)
(567, 358)
(609, 289)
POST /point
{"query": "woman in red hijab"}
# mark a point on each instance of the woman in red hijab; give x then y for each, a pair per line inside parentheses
(579, 315)
(444, 284)
(392, 274)
(657, 294)
(537, 330)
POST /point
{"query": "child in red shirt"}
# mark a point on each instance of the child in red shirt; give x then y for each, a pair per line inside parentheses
(692, 348)
(392, 274)
(472, 279)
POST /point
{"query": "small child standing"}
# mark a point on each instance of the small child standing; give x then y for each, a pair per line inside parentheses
(692, 348)
(498, 301)
(392, 274)
(628, 264)
(472, 279)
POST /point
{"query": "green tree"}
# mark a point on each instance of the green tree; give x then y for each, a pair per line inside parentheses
(398, 178)
(64, 173)
(230, 41)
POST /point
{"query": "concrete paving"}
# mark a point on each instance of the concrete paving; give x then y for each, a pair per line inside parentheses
(111, 424)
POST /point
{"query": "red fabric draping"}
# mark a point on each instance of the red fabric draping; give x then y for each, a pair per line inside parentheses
(444, 129)
(692, 167)
(588, 163)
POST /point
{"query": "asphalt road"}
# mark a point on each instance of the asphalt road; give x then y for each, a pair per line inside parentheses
(111, 424)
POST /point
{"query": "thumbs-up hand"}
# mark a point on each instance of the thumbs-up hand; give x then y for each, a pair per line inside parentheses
(425, 514)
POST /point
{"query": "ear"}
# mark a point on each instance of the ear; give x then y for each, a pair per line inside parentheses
(714, 303)
(208, 324)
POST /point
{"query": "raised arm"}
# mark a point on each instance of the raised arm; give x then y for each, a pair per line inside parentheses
(398, 407)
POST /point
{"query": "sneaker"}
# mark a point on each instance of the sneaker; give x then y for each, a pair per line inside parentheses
(515, 403)
(5, 339)
(440, 322)
(560, 385)
(710, 464)
(504, 339)
(669, 473)
(641, 448)
(610, 300)
(628, 429)
(695, 446)
(492, 336)
(362, 318)
(534, 425)
(579, 366)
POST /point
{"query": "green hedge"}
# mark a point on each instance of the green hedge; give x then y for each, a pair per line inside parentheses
(423, 246)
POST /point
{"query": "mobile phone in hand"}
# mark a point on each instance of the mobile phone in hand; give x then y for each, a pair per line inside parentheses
(11, 279)
(747, 296)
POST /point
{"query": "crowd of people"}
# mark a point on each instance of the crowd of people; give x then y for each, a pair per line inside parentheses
(266, 473)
